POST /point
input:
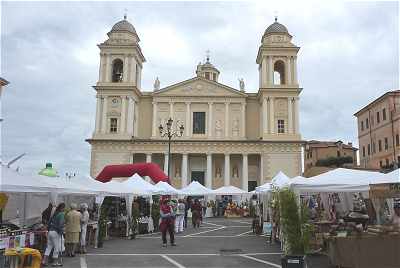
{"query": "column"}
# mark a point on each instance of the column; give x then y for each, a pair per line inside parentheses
(209, 171)
(295, 71)
(270, 71)
(296, 115)
(226, 119)
(245, 175)
(133, 70)
(154, 134)
(148, 160)
(210, 116)
(131, 115)
(290, 116)
(171, 110)
(123, 115)
(135, 119)
(264, 73)
(185, 169)
(98, 115)
(104, 119)
(139, 79)
(272, 115)
(166, 164)
(101, 69)
(289, 67)
(261, 169)
(227, 170)
(188, 126)
(265, 114)
(108, 69)
(243, 120)
(125, 71)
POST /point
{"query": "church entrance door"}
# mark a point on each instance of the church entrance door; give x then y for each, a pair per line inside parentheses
(198, 176)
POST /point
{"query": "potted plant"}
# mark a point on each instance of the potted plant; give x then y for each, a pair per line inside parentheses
(102, 225)
(295, 228)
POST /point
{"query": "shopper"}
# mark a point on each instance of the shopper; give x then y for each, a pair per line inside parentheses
(46, 214)
(167, 221)
(188, 205)
(204, 208)
(54, 238)
(196, 213)
(72, 230)
(84, 223)
(180, 216)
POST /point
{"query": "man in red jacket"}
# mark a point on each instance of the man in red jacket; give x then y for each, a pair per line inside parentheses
(167, 221)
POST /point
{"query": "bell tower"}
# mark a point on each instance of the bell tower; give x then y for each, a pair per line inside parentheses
(119, 83)
(278, 85)
(121, 58)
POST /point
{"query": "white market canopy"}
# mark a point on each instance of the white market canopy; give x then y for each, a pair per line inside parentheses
(391, 177)
(135, 185)
(13, 181)
(195, 188)
(266, 187)
(338, 180)
(279, 181)
(166, 189)
(229, 190)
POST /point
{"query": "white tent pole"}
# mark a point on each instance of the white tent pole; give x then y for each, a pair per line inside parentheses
(25, 204)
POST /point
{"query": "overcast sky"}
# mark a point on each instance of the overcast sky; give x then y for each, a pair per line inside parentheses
(348, 57)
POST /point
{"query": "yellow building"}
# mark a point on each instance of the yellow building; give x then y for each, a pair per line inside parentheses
(230, 137)
(378, 131)
(315, 151)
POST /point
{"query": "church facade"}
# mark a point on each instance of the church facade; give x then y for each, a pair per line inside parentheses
(230, 136)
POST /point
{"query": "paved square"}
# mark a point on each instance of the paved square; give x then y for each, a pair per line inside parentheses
(217, 243)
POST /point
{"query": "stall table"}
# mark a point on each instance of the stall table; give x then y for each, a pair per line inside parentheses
(365, 251)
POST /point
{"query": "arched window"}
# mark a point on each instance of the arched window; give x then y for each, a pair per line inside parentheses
(117, 70)
(279, 73)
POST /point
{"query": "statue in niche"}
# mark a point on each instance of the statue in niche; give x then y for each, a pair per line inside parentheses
(235, 128)
(241, 84)
(218, 172)
(178, 124)
(177, 172)
(156, 84)
(235, 172)
(218, 128)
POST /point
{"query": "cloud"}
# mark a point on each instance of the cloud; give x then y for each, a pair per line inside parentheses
(348, 57)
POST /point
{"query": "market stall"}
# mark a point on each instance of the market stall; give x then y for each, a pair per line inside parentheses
(238, 208)
(342, 205)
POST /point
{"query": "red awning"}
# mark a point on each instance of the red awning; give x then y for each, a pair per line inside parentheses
(127, 170)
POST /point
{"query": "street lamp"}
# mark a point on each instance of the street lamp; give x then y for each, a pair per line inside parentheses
(170, 133)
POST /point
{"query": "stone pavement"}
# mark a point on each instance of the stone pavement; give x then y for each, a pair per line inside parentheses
(217, 243)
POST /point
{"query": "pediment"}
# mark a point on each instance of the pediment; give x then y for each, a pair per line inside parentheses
(199, 86)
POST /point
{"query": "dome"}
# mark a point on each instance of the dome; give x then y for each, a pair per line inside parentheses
(123, 25)
(276, 27)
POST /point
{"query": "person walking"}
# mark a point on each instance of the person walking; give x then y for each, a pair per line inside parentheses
(54, 237)
(167, 221)
(84, 223)
(180, 215)
(72, 230)
(196, 213)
